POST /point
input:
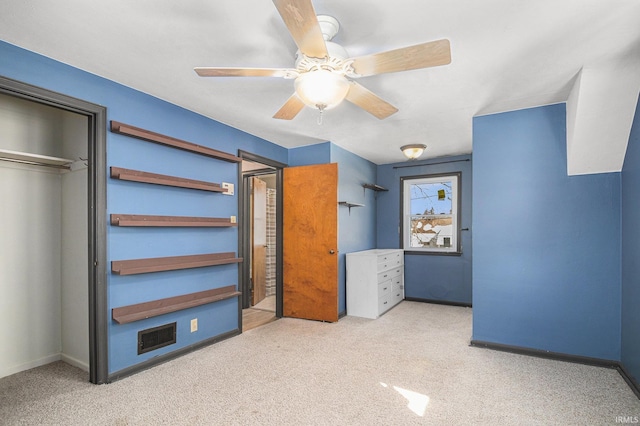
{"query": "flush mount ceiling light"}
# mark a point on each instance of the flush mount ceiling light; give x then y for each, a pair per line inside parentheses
(325, 74)
(413, 151)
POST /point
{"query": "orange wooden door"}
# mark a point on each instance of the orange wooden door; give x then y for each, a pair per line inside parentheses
(310, 242)
(259, 243)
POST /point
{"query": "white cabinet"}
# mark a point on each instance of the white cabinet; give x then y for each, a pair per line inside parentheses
(375, 281)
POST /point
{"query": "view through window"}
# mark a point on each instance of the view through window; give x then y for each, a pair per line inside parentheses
(430, 213)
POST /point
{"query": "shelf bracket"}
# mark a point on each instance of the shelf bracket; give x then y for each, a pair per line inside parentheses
(349, 205)
(375, 188)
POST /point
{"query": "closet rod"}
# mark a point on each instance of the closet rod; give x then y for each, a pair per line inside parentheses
(35, 163)
(35, 159)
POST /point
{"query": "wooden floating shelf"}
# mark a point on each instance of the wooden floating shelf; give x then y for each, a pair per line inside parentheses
(169, 221)
(350, 204)
(166, 180)
(140, 311)
(374, 187)
(173, 263)
(149, 136)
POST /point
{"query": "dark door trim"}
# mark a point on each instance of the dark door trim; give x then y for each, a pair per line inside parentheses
(244, 245)
(97, 208)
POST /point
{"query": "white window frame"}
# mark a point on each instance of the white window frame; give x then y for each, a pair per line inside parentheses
(405, 228)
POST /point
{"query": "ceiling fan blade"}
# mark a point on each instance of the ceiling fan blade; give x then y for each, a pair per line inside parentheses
(290, 109)
(300, 18)
(430, 54)
(370, 102)
(244, 72)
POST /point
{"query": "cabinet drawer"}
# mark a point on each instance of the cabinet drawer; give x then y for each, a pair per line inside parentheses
(390, 257)
(396, 281)
(397, 291)
(390, 260)
(387, 275)
(384, 303)
(385, 288)
(388, 264)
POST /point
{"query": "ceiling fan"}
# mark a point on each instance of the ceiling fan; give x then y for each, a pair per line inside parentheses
(324, 73)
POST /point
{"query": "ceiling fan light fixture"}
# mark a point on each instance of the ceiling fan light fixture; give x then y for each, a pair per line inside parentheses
(322, 89)
(413, 151)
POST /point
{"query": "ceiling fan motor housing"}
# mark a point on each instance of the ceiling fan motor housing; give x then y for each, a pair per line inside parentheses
(329, 26)
(336, 52)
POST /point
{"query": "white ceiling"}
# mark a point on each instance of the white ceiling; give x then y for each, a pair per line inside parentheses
(506, 55)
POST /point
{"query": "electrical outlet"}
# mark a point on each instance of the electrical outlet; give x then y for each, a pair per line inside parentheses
(194, 325)
(229, 188)
(233, 219)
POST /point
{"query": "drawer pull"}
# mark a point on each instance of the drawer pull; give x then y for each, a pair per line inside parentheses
(384, 289)
(385, 275)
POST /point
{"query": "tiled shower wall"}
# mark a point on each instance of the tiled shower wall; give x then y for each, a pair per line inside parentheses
(271, 242)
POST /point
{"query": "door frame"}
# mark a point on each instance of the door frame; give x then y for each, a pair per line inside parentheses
(244, 234)
(97, 211)
(258, 235)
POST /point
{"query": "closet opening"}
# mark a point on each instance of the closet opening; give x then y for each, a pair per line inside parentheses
(260, 235)
(53, 250)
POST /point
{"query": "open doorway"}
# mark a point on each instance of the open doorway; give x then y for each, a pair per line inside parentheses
(260, 240)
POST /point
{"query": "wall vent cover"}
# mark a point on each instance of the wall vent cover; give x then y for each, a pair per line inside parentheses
(157, 337)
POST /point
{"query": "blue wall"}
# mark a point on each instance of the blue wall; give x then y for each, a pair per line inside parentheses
(311, 154)
(630, 355)
(429, 277)
(546, 245)
(141, 110)
(356, 227)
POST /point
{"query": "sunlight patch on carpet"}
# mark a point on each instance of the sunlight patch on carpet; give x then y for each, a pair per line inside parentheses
(417, 402)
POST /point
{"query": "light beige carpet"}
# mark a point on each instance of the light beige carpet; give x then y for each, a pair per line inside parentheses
(414, 365)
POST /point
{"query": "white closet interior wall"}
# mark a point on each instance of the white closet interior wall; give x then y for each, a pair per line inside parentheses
(43, 240)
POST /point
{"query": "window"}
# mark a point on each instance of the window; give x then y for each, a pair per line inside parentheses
(430, 213)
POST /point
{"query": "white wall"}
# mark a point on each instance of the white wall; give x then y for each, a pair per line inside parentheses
(29, 267)
(32, 242)
(74, 248)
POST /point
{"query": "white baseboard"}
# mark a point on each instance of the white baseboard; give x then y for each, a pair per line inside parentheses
(29, 365)
(75, 362)
(44, 361)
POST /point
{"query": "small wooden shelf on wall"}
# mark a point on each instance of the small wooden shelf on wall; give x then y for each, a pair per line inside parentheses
(166, 180)
(374, 187)
(350, 204)
(149, 136)
(140, 311)
(170, 221)
(173, 263)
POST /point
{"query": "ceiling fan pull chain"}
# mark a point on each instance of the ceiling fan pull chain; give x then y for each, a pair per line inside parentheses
(321, 108)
